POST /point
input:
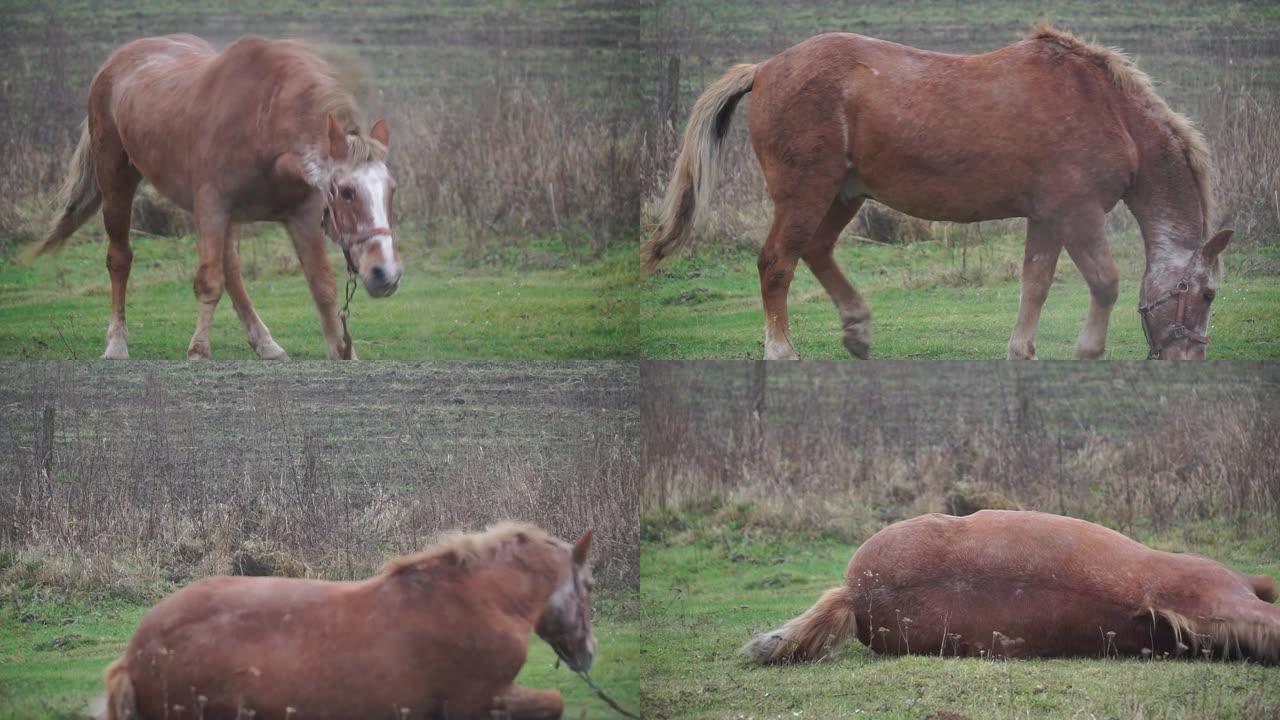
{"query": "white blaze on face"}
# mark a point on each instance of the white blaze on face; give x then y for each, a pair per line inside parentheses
(374, 183)
(562, 601)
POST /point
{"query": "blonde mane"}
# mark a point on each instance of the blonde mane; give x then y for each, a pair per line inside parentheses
(1128, 78)
(469, 550)
(343, 82)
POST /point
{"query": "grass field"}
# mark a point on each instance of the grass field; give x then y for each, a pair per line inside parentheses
(53, 650)
(528, 301)
(934, 300)
(708, 586)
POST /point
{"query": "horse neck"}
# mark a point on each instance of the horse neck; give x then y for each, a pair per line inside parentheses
(1166, 201)
(521, 584)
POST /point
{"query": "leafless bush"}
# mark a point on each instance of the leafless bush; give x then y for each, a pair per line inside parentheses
(844, 452)
(150, 490)
(1246, 152)
(520, 161)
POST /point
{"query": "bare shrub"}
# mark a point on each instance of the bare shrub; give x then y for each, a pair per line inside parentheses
(1246, 152)
(847, 450)
(519, 161)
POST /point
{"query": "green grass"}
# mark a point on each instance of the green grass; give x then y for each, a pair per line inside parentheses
(53, 651)
(707, 305)
(536, 302)
(706, 591)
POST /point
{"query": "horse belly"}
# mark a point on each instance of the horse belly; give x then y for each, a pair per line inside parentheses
(969, 618)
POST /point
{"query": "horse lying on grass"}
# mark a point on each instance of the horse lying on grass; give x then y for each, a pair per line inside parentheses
(1002, 583)
(440, 634)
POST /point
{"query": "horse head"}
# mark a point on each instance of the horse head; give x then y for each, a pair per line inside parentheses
(565, 623)
(359, 203)
(1175, 302)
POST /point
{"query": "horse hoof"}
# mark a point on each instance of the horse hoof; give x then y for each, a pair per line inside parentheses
(1022, 352)
(857, 347)
(272, 352)
(113, 353)
(194, 353)
(1083, 353)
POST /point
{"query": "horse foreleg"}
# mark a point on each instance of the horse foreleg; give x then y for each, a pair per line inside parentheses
(1039, 261)
(519, 703)
(1093, 257)
(855, 315)
(212, 225)
(309, 242)
(254, 329)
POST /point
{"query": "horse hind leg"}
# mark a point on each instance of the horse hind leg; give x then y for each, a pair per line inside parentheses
(1039, 261)
(255, 330)
(118, 181)
(855, 315)
(794, 224)
(520, 703)
(212, 226)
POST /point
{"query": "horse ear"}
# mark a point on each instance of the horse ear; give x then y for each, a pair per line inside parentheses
(1216, 245)
(581, 548)
(381, 132)
(336, 139)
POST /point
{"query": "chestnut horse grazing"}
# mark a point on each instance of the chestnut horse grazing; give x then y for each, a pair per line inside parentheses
(264, 130)
(441, 634)
(1009, 583)
(1050, 128)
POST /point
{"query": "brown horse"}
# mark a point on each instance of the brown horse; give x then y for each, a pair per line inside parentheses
(1009, 583)
(1051, 128)
(441, 634)
(264, 130)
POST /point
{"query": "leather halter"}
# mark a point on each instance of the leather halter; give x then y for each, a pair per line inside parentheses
(346, 238)
(1178, 330)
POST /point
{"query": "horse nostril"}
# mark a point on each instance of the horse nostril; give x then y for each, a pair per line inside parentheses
(378, 274)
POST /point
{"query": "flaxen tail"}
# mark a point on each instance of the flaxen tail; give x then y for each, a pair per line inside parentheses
(815, 635)
(78, 199)
(691, 184)
(119, 703)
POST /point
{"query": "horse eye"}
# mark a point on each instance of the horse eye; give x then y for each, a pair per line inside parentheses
(1209, 295)
(347, 194)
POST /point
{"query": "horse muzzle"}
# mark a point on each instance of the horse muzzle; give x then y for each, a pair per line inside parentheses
(381, 281)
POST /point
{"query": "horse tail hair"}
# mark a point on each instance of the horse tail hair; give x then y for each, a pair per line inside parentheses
(78, 199)
(1252, 632)
(815, 635)
(693, 179)
(120, 701)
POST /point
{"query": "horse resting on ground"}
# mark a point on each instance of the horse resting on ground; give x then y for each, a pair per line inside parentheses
(1051, 128)
(441, 634)
(264, 130)
(1003, 583)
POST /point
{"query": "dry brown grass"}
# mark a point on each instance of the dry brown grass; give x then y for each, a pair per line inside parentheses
(167, 485)
(846, 453)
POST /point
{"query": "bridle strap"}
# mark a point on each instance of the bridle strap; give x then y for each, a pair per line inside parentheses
(348, 240)
(1178, 330)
